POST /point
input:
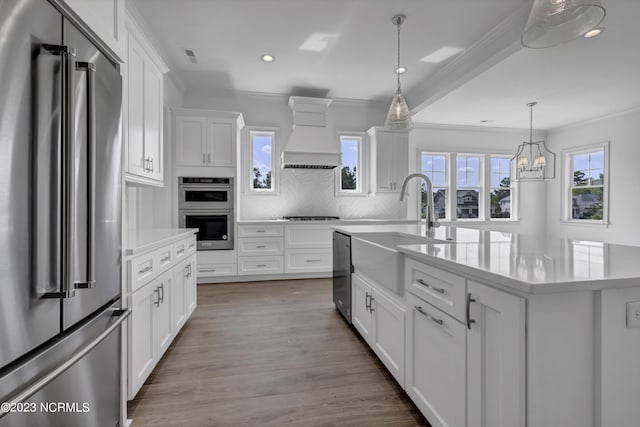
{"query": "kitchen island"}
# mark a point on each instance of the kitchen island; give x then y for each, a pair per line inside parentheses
(501, 328)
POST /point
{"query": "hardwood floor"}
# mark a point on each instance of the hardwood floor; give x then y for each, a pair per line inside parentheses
(270, 354)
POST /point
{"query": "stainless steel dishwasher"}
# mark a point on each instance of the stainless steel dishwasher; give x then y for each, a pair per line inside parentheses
(342, 270)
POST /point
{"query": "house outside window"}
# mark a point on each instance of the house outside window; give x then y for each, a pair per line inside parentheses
(587, 178)
(435, 167)
(481, 184)
(262, 173)
(500, 176)
(468, 186)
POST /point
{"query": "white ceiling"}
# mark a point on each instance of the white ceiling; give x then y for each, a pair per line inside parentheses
(492, 79)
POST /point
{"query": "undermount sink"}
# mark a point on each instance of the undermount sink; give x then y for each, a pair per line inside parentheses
(375, 256)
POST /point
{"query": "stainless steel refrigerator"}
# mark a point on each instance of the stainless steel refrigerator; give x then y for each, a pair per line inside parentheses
(60, 222)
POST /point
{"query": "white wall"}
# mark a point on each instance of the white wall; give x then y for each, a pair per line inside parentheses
(623, 132)
(467, 139)
(304, 192)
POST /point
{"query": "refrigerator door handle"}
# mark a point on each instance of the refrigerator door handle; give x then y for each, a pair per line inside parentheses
(68, 61)
(36, 386)
(90, 70)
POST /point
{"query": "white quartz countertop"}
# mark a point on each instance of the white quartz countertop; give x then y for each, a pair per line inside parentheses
(528, 264)
(139, 241)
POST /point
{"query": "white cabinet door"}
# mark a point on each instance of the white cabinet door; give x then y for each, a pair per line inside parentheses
(307, 236)
(178, 303)
(153, 120)
(165, 323)
(495, 358)
(190, 291)
(221, 143)
(106, 19)
(390, 157)
(135, 108)
(388, 334)
(435, 378)
(191, 144)
(361, 293)
(142, 336)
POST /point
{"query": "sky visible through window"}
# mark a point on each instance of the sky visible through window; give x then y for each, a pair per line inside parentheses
(349, 176)
(262, 160)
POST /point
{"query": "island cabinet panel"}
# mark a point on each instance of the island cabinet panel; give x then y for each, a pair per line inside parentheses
(436, 356)
(361, 316)
(495, 358)
(380, 320)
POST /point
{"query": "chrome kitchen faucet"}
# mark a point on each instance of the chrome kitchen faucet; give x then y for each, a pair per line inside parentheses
(430, 221)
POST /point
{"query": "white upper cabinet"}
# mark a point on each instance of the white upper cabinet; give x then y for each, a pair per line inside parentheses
(207, 138)
(389, 158)
(143, 102)
(105, 19)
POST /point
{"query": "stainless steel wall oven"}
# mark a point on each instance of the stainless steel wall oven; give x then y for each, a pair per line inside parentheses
(207, 204)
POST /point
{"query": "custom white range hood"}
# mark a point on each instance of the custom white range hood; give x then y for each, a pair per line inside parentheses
(311, 144)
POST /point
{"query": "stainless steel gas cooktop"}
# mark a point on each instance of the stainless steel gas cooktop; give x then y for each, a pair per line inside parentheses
(311, 218)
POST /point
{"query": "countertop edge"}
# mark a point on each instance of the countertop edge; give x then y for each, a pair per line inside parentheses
(166, 236)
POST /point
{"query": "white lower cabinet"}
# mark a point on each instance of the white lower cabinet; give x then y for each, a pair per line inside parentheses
(495, 358)
(436, 356)
(380, 321)
(159, 308)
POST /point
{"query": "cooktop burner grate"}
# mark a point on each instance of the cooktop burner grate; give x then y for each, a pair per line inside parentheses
(311, 218)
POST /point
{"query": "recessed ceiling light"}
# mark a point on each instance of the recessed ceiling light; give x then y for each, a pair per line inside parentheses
(401, 70)
(267, 58)
(593, 33)
(487, 121)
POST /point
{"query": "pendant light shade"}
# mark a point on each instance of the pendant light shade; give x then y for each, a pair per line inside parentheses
(553, 22)
(533, 161)
(398, 116)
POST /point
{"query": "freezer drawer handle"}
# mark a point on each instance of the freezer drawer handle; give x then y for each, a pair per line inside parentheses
(90, 70)
(121, 314)
(67, 65)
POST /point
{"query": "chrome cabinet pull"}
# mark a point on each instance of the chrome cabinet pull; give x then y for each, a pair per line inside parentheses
(367, 304)
(180, 251)
(145, 270)
(152, 168)
(314, 260)
(165, 259)
(469, 319)
(261, 231)
(440, 290)
(371, 300)
(261, 265)
(157, 290)
(261, 246)
(162, 292)
(428, 316)
(209, 157)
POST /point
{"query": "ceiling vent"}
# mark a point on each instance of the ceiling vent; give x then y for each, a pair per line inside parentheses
(311, 144)
(191, 55)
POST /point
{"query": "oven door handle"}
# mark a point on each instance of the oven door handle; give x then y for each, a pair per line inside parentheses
(205, 187)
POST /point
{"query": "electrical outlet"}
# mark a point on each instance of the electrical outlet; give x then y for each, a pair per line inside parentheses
(633, 314)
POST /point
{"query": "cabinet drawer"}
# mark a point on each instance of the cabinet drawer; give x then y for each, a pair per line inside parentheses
(260, 230)
(308, 260)
(142, 269)
(440, 288)
(308, 236)
(164, 257)
(259, 246)
(260, 265)
(215, 270)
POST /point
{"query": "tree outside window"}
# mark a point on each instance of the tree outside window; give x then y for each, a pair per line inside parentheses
(587, 186)
(262, 161)
(349, 170)
(500, 187)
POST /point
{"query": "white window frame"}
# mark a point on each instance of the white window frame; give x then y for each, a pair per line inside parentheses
(512, 213)
(447, 182)
(361, 181)
(248, 167)
(567, 184)
(484, 202)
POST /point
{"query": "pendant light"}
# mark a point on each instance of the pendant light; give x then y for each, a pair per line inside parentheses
(398, 116)
(533, 161)
(552, 22)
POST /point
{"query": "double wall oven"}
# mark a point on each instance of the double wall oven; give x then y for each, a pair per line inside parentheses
(207, 204)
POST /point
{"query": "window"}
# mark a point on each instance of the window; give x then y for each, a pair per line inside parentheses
(349, 178)
(500, 176)
(587, 184)
(434, 166)
(481, 184)
(261, 175)
(468, 186)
